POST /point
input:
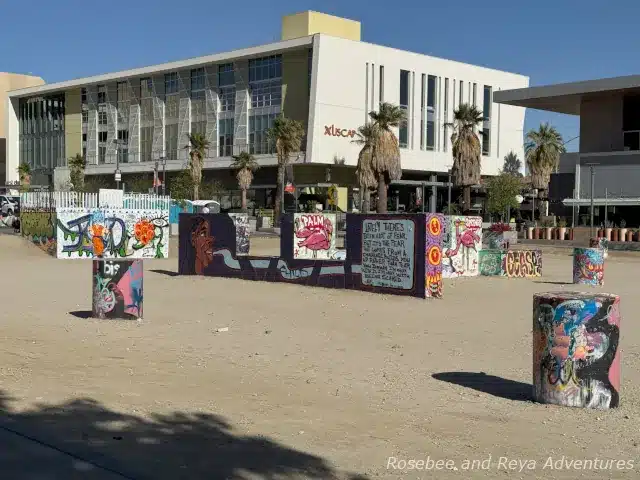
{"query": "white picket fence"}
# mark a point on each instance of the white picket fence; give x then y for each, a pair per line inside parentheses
(54, 200)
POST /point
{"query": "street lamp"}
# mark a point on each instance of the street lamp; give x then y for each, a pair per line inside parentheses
(593, 186)
(533, 206)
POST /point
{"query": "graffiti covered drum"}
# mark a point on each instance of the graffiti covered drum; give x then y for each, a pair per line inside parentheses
(117, 289)
(588, 266)
(576, 360)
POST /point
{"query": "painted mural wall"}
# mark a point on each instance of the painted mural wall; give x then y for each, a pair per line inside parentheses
(492, 263)
(39, 225)
(511, 263)
(588, 266)
(433, 245)
(576, 360)
(314, 236)
(241, 222)
(461, 243)
(117, 289)
(112, 233)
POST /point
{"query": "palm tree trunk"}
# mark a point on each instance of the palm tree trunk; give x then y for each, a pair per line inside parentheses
(467, 199)
(366, 200)
(244, 199)
(277, 206)
(195, 190)
(382, 194)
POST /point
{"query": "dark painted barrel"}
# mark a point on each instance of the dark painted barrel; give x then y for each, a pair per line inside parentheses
(576, 360)
(117, 289)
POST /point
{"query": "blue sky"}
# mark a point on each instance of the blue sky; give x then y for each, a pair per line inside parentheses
(549, 41)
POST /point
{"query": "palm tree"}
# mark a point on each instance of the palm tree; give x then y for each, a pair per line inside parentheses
(287, 135)
(364, 174)
(245, 164)
(542, 149)
(24, 173)
(76, 166)
(198, 146)
(512, 164)
(385, 151)
(466, 150)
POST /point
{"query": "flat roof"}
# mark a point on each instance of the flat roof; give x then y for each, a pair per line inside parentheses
(165, 67)
(564, 97)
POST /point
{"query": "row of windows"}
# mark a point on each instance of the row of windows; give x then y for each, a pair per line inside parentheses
(428, 106)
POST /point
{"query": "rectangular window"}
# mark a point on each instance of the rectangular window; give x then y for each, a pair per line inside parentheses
(431, 112)
(227, 99)
(83, 95)
(197, 79)
(198, 106)
(85, 117)
(225, 74)
(170, 83)
(123, 102)
(102, 154)
(225, 131)
(309, 70)
(258, 140)
(423, 104)
(102, 94)
(171, 141)
(265, 68)
(102, 137)
(146, 143)
(381, 99)
(102, 114)
(446, 114)
(475, 93)
(461, 93)
(266, 94)
(486, 127)
(146, 88)
(171, 104)
(123, 146)
(403, 132)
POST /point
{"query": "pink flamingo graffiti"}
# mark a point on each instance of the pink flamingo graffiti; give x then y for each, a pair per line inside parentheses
(467, 239)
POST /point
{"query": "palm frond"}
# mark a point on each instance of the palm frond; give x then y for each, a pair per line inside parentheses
(543, 148)
(466, 148)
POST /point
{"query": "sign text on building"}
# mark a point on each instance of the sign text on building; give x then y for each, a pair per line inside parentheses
(334, 131)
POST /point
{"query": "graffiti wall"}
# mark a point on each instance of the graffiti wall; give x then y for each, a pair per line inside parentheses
(38, 225)
(601, 243)
(112, 233)
(433, 245)
(588, 266)
(523, 263)
(384, 254)
(492, 263)
(314, 236)
(494, 241)
(241, 222)
(461, 244)
(117, 289)
(576, 361)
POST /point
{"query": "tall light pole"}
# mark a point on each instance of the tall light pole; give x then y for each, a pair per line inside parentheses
(593, 186)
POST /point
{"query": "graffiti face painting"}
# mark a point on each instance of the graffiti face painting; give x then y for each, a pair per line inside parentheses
(202, 243)
(575, 349)
(314, 236)
(434, 255)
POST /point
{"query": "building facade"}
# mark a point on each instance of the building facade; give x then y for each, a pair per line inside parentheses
(609, 153)
(320, 73)
(8, 82)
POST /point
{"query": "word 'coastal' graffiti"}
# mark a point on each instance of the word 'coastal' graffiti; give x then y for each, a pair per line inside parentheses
(112, 233)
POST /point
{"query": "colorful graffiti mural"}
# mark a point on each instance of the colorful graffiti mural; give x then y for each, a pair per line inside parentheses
(117, 289)
(314, 236)
(601, 243)
(433, 245)
(241, 221)
(38, 225)
(492, 263)
(576, 361)
(208, 246)
(523, 263)
(112, 233)
(588, 266)
(462, 242)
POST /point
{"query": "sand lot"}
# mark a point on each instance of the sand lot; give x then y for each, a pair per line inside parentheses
(306, 383)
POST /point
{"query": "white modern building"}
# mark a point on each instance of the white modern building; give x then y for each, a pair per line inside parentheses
(320, 73)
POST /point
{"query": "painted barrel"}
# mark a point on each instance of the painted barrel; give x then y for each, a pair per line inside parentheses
(588, 266)
(117, 289)
(601, 243)
(576, 360)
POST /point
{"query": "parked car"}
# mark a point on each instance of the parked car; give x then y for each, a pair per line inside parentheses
(9, 205)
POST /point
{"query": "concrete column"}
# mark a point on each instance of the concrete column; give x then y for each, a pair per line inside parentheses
(13, 140)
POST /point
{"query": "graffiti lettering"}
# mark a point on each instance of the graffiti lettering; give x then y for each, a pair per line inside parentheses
(523, 263)
(333, 131)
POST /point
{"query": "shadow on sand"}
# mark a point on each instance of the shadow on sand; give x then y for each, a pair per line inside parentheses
(84, 314)
(90, 441)
(553, 283)
(497, 386)
(168, 273)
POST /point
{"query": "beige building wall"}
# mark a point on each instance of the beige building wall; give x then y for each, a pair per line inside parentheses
(308, 23)
(10, 81)
(72, 123)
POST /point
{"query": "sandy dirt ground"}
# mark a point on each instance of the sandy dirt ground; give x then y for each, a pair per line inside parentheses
(306, 383)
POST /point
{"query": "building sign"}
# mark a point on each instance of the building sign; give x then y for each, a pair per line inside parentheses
(334, 131)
